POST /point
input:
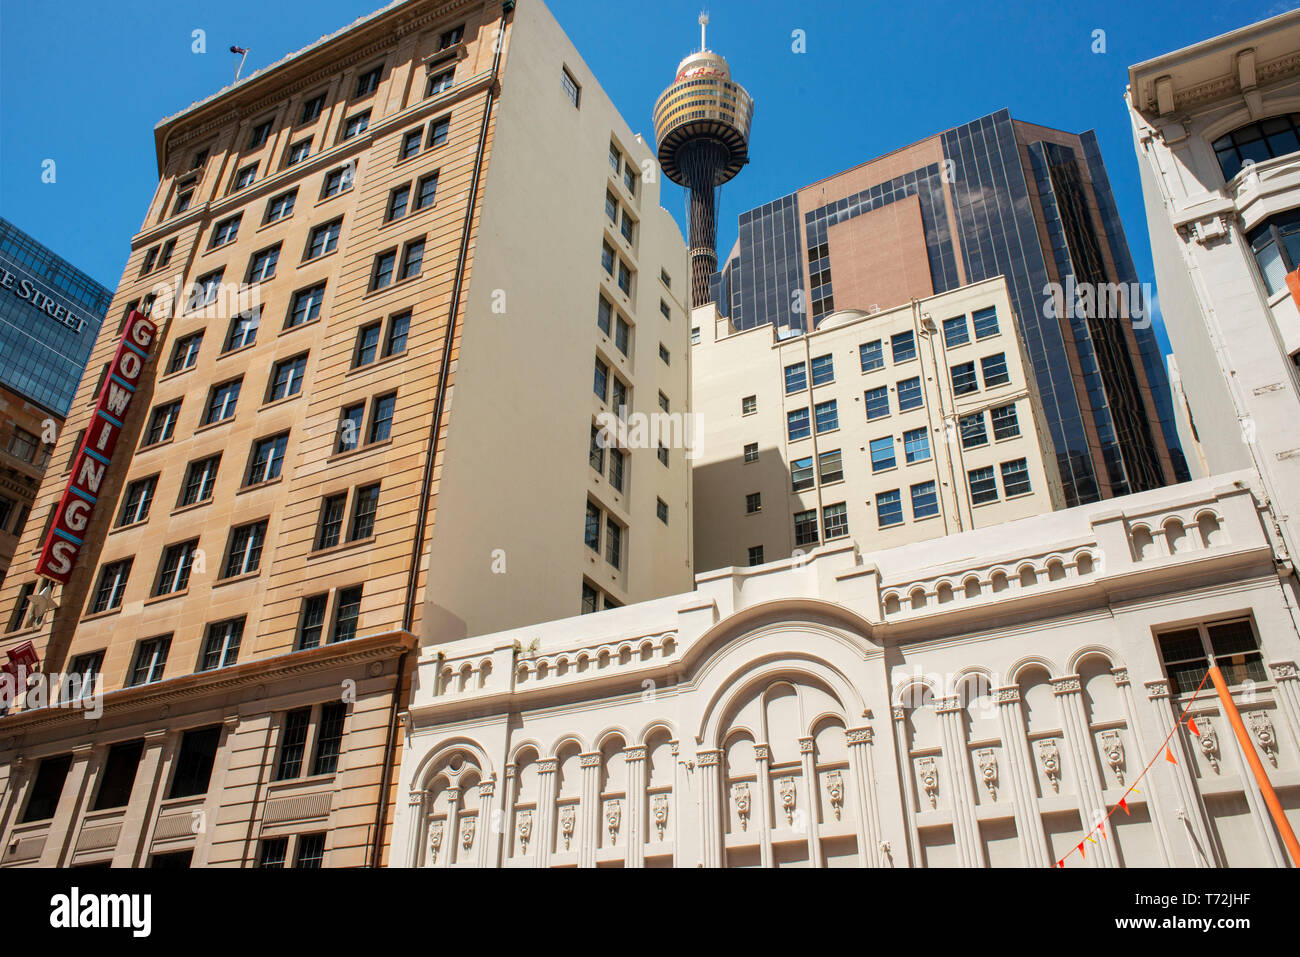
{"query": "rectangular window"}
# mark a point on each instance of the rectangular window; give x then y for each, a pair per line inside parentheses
(801, 474)
(995, 371)
(111, 587)
(243, 331)
(182, 201)
(397, 203)
(695, 335)
(889, 508)
(749, 405)
(628, 228)
(138, 498)
(964, 379)
(117, 779)
(828, 417)
(47, 788)
(272, 852)
(590, 599)
(165, 256)
(399, 326)
(306, 306)
(665, 310)
(411, 141)
(329, 740)
(1015, 478)
(903, 346)
(286, 378)
(347, 614)
(281, 207)
(872, 355)
(162, 424)
(753, 503)
(298, 152)
(835, 521)
(261, 133)
(830, 466)
(955, 332)
(439, 82)
(617, 466)
(262, 266)
(1232, 645)
(222, 401)
(909, 394)
(150, 257)
(438, 130)
(925, 501)
(293, 744)
(663, 454)
(615, 158)
(245, 555)
(311, 852)
(570, 86)
(624, 278)
(797, 424)
(200, 480)
(796, 378)
(412, 260)
(629, 178)
(604, 315)
(591, 531)
(150, 661)
(351, 423)
(983, 486)
(596, 451)
(221, 646)
(194, 760)
(16, 620)
(186, 353)
(877, 403)
(1005, 423)
(381, 274)
(882, 453)
(601, 382)
(973, 433)
(244, 178)
(312, 108)
(368, 82)
(450, 38)
(205, 290)
(661, 510)
(823, 370)
(751, 452)
(426, 190)
(805, 528)
(663, 401)
(267, 459)
(985, 322)
(381, 422)
(311, 625)
(363, 513)
(329, 529)
(324, 239)
(755, 555)
(916, 446)
(355, 126)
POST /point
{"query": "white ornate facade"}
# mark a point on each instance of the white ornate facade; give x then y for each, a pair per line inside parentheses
(974, 704)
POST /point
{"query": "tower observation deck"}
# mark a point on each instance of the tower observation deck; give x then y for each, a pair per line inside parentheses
(702, 124)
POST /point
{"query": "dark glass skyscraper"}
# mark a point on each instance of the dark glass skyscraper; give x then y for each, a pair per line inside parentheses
(50, 314)
(995, 197)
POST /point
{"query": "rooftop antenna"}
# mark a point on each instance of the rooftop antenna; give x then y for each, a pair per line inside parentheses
(242, 53)
(704, 22)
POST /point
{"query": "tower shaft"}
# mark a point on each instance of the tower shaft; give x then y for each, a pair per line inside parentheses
(700, 162)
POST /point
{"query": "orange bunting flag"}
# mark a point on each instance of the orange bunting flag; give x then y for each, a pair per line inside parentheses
(1191, 726)
(1082, 852)
(1102, 827)
(1061, 863)
(1169, 756)
(1123, 803)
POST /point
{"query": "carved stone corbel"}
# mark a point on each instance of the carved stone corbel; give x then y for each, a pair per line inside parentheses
(740, 797)
(1112, 746)
(835, 790)
(988, 763)
(1050, 757)
(1209, 744)
(929, 780)
(1262, 728)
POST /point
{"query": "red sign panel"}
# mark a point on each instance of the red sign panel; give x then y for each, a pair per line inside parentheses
(66, 535)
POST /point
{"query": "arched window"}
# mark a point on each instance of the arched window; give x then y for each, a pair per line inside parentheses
(1257, 142)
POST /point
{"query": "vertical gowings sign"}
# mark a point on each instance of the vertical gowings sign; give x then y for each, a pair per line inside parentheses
(67, 532)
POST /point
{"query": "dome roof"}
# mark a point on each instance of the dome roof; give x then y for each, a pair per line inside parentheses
(704, 61)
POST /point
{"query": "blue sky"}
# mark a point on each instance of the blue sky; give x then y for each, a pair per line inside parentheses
(83, 82)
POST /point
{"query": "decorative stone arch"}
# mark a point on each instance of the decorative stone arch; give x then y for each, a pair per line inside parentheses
(1027, 570)
(898, 695)
(609, 732)
(944, 592)
(566, 738)
(423, 775)
(972, 580)
(1094, 650)
(996, 573)
(1015, 672)
(650, 728)
(892, 602)
(1209, 528)
(1084, 562)
(523, 746)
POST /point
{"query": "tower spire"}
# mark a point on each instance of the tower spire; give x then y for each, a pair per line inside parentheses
(704, 22)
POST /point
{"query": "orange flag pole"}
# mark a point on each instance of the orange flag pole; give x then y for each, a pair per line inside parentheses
(1257, 766)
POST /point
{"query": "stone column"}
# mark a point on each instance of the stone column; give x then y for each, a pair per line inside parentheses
(899, 716)
(762, 817)
(961, 785)
(505, 843)
(1154, 799)
(589, 810)
(1034, 851)
(636, 822)
(1190, 810)
(487, 830)
(415, 828)
(1287, 679)
(862, 774)
(544, 832)
(712, 844)
(63, 826)
(1259, 813)
(1078, 739)
(451, 833)
(808, 759)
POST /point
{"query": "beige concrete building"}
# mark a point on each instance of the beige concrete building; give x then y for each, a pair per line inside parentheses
(366, 424)
(1217, 130)
(981, 704)
(888, 427)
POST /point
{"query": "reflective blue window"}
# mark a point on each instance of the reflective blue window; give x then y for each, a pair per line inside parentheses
(889, 508)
